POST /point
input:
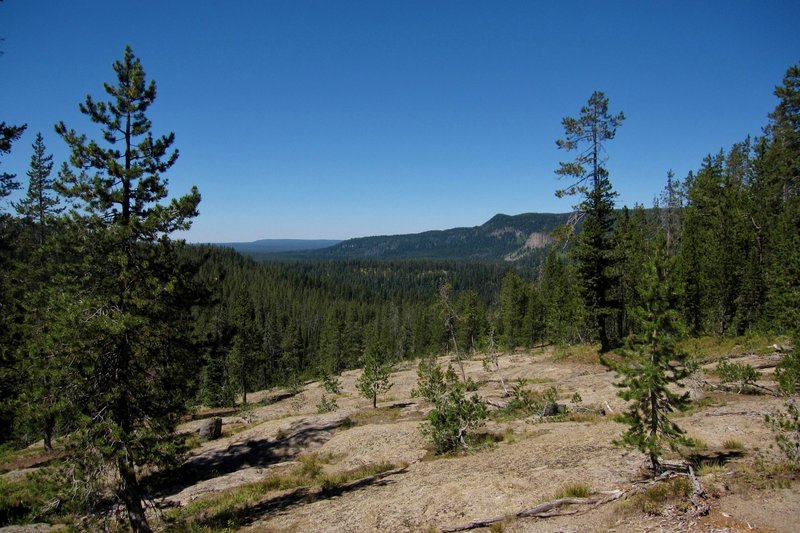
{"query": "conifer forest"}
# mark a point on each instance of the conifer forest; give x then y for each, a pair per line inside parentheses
(114, 331)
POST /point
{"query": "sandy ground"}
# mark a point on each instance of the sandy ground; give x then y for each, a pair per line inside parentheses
(514, 474)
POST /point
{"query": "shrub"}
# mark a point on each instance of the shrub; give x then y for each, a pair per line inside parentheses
(453, 414)
(327, 405)
(788, 372)
(786, 427)
(740, 373)
(331, 384)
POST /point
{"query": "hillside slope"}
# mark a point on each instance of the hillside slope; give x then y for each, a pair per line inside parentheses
(503, 237)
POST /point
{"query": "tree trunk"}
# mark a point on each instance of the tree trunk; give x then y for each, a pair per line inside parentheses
(49, 429)
(131, 496)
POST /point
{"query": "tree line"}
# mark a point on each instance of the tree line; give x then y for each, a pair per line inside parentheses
(111, 329)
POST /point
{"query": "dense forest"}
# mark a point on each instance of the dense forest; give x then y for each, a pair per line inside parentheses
(111, 330)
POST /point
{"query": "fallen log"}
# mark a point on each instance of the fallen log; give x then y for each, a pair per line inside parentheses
(700, 506)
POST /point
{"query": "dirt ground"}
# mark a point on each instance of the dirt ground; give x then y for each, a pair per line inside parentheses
(527, 466)
(530, 461)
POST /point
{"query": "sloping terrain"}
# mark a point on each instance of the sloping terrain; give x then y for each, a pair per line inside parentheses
(502, 238)
(530, 460)
(280, 465)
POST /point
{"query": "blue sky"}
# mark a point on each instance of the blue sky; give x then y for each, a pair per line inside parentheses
(337, 119)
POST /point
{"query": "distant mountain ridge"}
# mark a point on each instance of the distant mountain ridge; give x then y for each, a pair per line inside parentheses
(273, 246)
(501, 238)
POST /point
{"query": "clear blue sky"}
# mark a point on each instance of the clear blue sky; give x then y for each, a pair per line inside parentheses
(337, 119)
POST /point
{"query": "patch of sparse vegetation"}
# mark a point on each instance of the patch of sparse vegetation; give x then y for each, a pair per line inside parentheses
(741, 374)
(327, 404)
(696, 444)
(578, 353)
(785, 426)
(40, 495)
(525, 402)
(576, 489)
(710, 467)
(654, 499)
(714, 348)
(228, 509)
(761, 474)
(712, 400)
(733, 444)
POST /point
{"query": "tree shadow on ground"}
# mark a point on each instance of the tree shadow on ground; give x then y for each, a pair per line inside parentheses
(250, 453)
(708, 458)
(244, 516)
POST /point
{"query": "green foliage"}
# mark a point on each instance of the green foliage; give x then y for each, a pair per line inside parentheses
(788, 371)
(739, 373)
(39, 206)
(594, 252)
(327, 405)
(525, 402)
(374, 380)
(785, 426)
(8, 135)
(453, 414)
(654, 499)
(652, 365)
(128, 294)
(331, 384)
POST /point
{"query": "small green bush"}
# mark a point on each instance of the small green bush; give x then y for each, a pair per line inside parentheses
(327, 405)
(785, 426)
(331, 384)
(740, 373)
(453, 414)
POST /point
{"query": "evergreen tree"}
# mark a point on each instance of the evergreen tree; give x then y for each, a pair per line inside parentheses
(653, 364)
(470, 328)
(593, 253)
(39, 205)
(777, 210)
(8, 135)
(130, 293)
(8, 311)
(246, 347)
(374, 379)
(563, 306)
(513, 304)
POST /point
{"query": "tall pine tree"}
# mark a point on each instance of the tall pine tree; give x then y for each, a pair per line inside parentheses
(130, 293)
(587, 134)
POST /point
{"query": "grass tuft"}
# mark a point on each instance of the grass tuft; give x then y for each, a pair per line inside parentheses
(733, 444)
(577, 489)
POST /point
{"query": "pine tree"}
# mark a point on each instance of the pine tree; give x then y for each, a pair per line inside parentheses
(8, 135)
(246, 347)
(8, 312)
(374, 379)
(653, 364)
(777, 199)
(130, 293)
(587, 134)
(39, 205)
(513, 304)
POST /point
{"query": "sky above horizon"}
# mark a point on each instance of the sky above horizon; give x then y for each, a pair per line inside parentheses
(336, 119)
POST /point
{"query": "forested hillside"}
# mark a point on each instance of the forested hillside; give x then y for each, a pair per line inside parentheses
(111, 330)
(503, 237)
